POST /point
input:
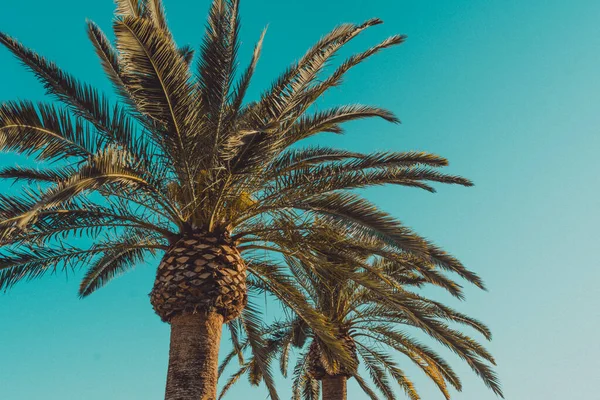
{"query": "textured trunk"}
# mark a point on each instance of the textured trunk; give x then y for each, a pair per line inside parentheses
(193, 357)
(200, 284)
(334, 387)
(201, 272)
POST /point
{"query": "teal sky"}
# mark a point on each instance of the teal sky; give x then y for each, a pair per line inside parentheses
(507, 90)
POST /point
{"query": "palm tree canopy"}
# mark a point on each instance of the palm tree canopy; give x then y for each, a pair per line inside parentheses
(183, 150)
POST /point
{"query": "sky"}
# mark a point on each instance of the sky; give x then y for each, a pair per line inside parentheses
(507, 90)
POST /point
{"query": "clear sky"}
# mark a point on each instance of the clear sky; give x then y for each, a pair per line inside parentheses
(507, 90)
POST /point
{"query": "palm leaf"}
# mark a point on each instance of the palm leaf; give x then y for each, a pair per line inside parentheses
(124, 254)
(44, 131)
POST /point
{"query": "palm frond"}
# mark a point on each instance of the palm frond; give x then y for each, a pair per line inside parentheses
(155, 11)
(234, 378)
(301, 380)
(33, 262)
(365, 387)
(239, 92)
(83, 100)
(251, 320)
(45, 131)
(284, 288)
(216, 67)
(187, 52)
(329, 120)
(109, 167)
(124, 254)
(109, 60)
(157, 76)
(429, 361)
(286, 92)
(128, 8)
(376, 371)
(51, 175)
(336, 78)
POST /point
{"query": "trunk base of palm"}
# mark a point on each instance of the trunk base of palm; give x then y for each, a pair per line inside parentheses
(334, 387)
(194, 357)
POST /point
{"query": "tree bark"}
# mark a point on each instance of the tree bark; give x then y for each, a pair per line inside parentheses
(194, 357)
(334, 387)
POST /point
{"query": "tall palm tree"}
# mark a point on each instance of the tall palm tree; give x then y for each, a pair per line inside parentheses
(366, 300)
(183, 166)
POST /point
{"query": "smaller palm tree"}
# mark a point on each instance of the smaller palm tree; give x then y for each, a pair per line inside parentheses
(366, 299)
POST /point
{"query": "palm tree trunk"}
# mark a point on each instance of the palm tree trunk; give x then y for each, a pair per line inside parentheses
(193, 357)
(334, 387)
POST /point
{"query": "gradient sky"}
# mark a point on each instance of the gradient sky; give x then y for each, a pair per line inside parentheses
(507, 90)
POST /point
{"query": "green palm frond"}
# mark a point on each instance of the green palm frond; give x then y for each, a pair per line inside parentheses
(45, 131)
(83, 100)
(109, 167)
(303, 386)
(109, 59)
(285, 289)
(239, 91)
(365, 387)
(330, 120)
(48, 175)
(158, 80)
(126, 251)
(432, 364)
(33, 262)
(252, 322)
(128, 7)
(372, 361)
(336, 78)
(217, 67)
(78, 218)
(187, 53)
(287, 91)
(234, 378)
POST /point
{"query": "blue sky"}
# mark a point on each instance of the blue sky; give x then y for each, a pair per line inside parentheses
(507, 90)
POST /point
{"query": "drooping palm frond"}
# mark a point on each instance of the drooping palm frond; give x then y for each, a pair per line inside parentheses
(131, 248)
(31, 175)
(283, 287)
(303, 386)
(252, 322)
(111, 122)
(45, 131)
(33, 262)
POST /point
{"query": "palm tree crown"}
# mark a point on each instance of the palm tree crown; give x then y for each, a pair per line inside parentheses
(366, 298)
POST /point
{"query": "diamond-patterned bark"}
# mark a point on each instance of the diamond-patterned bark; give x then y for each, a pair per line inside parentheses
(200, 273)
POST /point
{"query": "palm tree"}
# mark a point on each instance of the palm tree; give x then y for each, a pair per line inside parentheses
(185, 167)
(366, 299)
